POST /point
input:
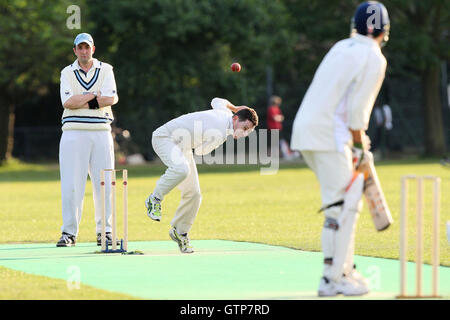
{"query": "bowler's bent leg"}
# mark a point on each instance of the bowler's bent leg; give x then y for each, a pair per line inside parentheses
(176, 162)
(190, 199)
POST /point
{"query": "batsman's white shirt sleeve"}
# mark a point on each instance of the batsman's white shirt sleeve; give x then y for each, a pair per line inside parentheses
(365, 92)
(341, 95)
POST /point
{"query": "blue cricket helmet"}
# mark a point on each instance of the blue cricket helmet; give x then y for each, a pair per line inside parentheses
(371, 18)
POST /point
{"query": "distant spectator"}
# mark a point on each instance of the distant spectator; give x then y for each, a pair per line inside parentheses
(383, 122)
(126, 151)
(275, 117)
(275, 120)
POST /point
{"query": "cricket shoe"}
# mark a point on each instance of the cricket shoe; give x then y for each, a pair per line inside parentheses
(66, 240)
(182, 240)
(346, 286)
(328, 288)
(351, 287)
(108, 236)
(153, 206)
(358, 278)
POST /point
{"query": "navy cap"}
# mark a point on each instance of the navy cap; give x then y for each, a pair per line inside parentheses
(371, 17)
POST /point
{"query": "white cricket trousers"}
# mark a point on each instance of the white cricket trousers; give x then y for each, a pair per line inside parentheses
(334, 170)
(83, 152)
(182, 172)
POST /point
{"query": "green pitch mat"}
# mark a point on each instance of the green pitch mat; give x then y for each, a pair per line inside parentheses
(217, 270)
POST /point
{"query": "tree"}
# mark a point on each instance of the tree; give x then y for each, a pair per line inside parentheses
(171, 56)
(419, 42)
(33, 42)
(317, 26)
(422, 41)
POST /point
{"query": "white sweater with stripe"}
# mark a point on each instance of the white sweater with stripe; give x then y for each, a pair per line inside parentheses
(75, 81)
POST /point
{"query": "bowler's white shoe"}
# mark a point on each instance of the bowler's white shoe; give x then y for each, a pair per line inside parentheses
(153, 206)
(182, 240)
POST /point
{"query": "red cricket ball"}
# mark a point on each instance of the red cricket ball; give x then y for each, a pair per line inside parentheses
(236, 67)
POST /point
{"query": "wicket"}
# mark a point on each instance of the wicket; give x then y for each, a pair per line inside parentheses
(419, 244)
(124, 241)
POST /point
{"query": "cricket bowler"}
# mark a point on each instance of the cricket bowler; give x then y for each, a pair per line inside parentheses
(329, 130)
(174, 141)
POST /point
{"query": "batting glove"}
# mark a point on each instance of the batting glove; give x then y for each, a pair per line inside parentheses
(357, 154)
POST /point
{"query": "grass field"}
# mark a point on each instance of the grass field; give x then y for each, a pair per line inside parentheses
(238, 204)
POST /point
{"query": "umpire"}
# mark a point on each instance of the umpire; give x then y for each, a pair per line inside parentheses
(88, 90)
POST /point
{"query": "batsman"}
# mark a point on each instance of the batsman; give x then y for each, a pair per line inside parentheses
(329, 130)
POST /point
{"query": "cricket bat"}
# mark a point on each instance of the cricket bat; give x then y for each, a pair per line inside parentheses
(374, 195)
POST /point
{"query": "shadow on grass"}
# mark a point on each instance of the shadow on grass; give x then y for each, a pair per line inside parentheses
(408, 162)
(50, 172)
(20, 247)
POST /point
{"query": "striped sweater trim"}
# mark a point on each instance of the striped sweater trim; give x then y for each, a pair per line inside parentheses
(81, 119)
(87, 85)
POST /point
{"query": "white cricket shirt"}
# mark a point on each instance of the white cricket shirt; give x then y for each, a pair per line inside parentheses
(341, 95)
(203, 131)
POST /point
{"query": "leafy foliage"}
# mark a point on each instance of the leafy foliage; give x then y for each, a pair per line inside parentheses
(173, 57)
(32, 39)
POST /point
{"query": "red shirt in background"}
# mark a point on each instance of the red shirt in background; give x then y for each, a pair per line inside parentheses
(272, 111)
